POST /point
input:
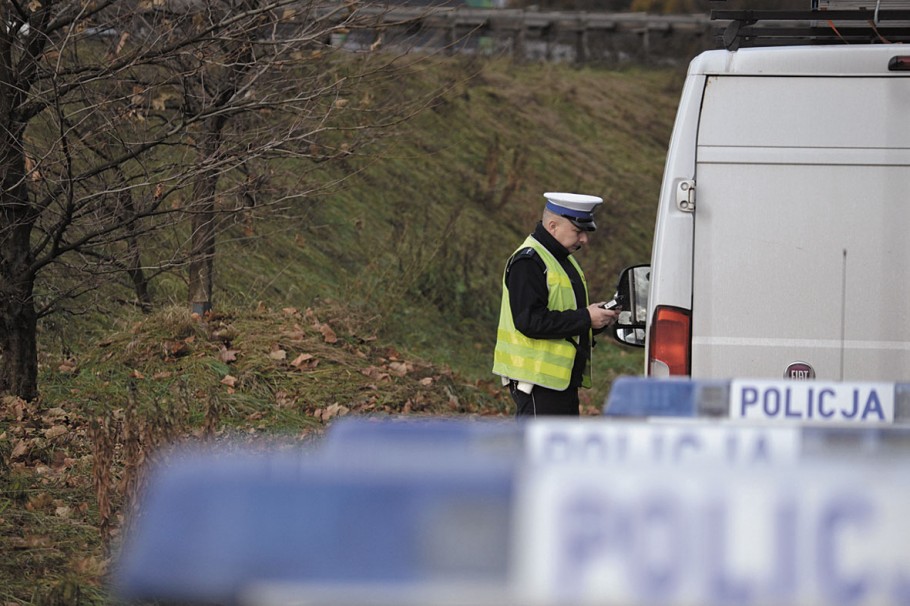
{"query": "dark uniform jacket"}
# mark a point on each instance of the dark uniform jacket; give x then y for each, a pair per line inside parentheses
(528, 296)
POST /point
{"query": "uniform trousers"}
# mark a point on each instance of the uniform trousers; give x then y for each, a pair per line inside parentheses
(543, 401)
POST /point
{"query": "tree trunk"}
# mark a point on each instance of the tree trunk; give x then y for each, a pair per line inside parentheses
(201, 271)
(18, 318)
(18, 341)
(133, 255)
(202, 255)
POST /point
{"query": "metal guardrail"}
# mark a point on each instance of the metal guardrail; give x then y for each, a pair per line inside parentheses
(580, 36)
(574, 37)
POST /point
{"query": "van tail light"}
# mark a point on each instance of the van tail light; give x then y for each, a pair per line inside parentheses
(899, 63)
(670, 344)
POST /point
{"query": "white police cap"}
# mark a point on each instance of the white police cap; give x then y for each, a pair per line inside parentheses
(577, 208)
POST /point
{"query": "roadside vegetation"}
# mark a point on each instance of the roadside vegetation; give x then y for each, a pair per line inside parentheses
(378, 295)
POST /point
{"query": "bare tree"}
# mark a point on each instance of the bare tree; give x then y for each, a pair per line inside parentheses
(124, 120)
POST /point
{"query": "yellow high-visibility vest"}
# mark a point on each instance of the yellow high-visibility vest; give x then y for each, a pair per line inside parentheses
(546, 362)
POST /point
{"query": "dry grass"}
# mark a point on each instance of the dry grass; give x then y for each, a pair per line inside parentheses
(72, 470)
(381, 300)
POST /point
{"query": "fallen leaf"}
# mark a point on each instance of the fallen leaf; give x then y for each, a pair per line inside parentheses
(278, 354)
(56, 431)
(20, 449)
(426, 381)
(137, 375)
(401, 368)
(453, 399)
(225, 334)
(375, 373)
(305, 361)
(227, 355)
(53, 415)
(175, 349)
(39, 502)
(159, 103)
(334, 410)
(33, 541)
(327, 333)
(294, 335)
(284, 400)
(91, 566)
(67, 366)
(15, 405)
(229, 380)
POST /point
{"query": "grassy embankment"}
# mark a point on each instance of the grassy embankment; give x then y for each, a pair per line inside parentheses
(379, 299)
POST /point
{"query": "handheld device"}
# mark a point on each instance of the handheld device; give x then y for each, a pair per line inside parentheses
(613, 303)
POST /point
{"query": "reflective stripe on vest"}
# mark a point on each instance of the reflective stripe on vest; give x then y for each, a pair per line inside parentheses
(546, 362)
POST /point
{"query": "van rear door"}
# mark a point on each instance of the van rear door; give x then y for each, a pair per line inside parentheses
(802, 251)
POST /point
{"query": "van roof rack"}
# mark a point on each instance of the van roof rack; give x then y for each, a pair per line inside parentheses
(775, 28)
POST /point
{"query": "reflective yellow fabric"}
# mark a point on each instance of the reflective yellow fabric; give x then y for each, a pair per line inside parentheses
(546, 362)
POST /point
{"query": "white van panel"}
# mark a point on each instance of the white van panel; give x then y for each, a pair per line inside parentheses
(671, 279)
(806, 112)
(801, 247)
(834, 60)
(673, 229)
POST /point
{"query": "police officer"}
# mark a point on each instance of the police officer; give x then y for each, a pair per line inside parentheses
(546, 325)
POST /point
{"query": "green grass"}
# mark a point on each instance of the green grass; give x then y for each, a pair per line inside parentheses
(402, 263)
(417, 240)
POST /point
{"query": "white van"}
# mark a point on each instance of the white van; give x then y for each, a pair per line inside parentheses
(782, 242)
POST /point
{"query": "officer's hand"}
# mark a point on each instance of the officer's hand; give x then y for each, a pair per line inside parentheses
(601, 317)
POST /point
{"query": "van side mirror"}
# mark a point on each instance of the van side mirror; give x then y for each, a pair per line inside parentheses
(633, 289)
